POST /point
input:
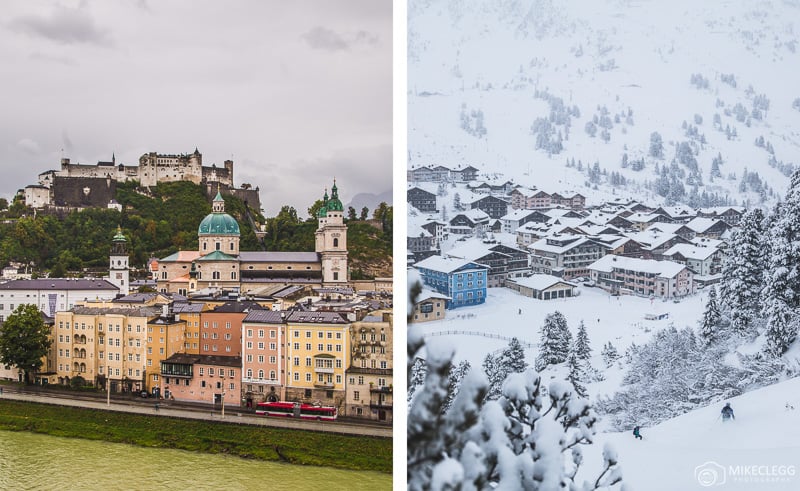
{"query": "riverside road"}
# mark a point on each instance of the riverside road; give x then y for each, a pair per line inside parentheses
(174, 409)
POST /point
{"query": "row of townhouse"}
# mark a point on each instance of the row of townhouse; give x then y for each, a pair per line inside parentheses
(440, 173)
(530, 199)
(238, 352)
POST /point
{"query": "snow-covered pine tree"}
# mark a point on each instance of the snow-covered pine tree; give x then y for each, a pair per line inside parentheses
(743, 273)
(577, 374)
(781, 293)
(709, 324)
(582, 348)
(418, 372)
(656, 145)
(610, 354)
(555, 341)
(461, 449)
(456, 375)
(497, 366)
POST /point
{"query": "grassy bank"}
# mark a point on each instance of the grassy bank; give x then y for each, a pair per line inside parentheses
(275, 444)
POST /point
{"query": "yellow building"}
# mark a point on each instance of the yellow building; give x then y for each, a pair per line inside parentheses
(102, 343)
(317, 353)
(166, 336)
(369, 392)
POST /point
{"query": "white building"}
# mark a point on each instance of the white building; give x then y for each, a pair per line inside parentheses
(52, 295)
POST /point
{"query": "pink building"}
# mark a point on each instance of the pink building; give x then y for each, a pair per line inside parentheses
(203, 378)
(263, 355)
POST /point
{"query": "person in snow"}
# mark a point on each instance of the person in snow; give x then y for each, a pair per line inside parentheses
(636, 433)
(727, 412)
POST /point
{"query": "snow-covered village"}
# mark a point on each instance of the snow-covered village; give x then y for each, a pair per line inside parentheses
(603, 245)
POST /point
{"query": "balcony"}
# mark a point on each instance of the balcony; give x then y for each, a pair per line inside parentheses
(381, 405)
(323, 370)
(324, 385)
(380, 390)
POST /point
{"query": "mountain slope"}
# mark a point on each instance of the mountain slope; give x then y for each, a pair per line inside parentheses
(481, 73)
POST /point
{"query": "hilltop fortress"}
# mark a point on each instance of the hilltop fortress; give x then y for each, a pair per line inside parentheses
(86, 185)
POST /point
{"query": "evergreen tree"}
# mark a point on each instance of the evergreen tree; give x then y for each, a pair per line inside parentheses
(577, 374)
(781, 293)
(454, 378)
(555, 341)
(709, 325)
(743, 272)
(610, 354)
(497, 366)
(582, 348)
(656, 146)
(417, 378)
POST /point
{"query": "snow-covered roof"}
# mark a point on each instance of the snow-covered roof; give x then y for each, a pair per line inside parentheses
(426, 294)
(542, 245)
(651, 239)
(475, 249)
(669, 228)
(691, 251)
(446, 265)
(701, 224)
(666, 269)
(476, 215)
(541, 281)
(517, 215)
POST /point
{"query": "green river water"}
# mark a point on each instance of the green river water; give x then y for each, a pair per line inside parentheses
(31, 461)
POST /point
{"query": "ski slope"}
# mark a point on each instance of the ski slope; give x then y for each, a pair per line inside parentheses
(765, 433)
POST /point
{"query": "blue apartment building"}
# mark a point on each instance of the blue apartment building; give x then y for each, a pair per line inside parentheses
(464, 282)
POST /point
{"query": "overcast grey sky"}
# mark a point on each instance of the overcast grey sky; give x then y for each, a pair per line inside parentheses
(295, 92)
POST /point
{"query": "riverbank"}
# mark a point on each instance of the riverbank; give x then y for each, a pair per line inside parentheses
(217, 437)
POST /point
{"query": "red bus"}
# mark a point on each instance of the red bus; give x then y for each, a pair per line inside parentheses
(297, 410)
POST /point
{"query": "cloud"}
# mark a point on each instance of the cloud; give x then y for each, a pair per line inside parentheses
(48, 58)
(65, 26)
(326, 39)
(29, 146)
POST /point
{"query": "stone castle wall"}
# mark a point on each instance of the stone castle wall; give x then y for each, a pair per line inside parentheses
(83, 191)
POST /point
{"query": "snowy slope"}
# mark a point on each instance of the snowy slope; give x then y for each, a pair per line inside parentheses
(635, 56)
(765, 433)
(619, 320)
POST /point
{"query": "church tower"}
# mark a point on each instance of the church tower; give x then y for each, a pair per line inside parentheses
(331, 239)
(118, 271)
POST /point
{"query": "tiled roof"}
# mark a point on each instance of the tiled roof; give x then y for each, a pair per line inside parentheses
(278, 256)
(59, 284)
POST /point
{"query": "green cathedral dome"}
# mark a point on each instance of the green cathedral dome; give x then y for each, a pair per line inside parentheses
(218, 222)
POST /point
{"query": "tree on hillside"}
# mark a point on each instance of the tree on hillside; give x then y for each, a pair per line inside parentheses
(709, 324)
(656, 146)
(497, 366)
(781, 293)
(555, 341)
(583, 350)
(24, 340)
(610, 354)
(364, 213)
(743, 272)
(577, 374)
(351, 213)
(314, 209)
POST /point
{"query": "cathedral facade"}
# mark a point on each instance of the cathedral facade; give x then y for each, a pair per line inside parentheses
(218, 264)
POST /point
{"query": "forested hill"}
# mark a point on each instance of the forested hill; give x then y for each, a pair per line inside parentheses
(157, 223)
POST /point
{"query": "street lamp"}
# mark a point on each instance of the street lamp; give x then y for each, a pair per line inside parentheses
(223, 402)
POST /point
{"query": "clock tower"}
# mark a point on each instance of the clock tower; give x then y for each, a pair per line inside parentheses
(118, 271)
(331, 239)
